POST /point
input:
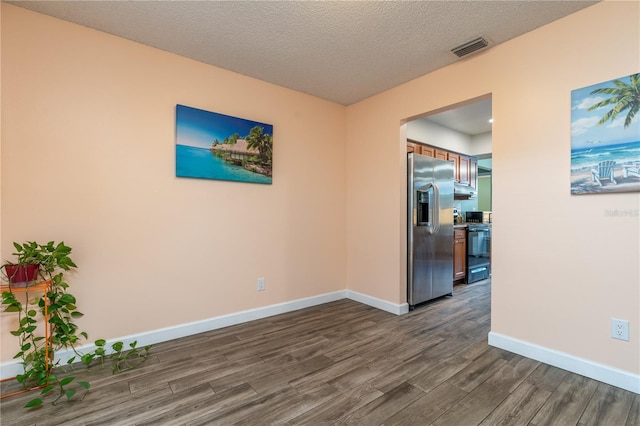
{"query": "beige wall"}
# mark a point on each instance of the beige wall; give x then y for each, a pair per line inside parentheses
(562, 267)
(88, 141)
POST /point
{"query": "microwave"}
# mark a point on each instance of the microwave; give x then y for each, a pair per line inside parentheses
(473, 217)
(478, 217)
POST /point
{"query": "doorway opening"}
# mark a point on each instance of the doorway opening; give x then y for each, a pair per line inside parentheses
(461, 134)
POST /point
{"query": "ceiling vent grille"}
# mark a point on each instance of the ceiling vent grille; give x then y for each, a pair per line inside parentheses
(470, 47)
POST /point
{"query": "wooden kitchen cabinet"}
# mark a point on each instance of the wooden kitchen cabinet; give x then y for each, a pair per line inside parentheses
(440, 154)
(465, 166)
(455, 159)
(473, 172)
(459, 253)
(463, 170)
(429, 151)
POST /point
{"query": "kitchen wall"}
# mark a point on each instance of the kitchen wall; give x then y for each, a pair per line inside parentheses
(480, 144)
(434, 134)
(556, 285)
(484, 193)
(484, 184)
(88, 142)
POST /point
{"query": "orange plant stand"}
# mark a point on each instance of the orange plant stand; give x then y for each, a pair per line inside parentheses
(44, 287)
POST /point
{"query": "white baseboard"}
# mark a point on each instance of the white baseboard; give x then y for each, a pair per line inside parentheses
(374, 302)
(593, 370)
(14, 367)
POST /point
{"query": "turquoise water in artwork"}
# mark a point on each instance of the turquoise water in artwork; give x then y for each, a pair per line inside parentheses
(200, 163)
(624, 153)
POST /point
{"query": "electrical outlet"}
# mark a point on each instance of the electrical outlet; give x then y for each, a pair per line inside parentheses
(260, 284)
(620, 329)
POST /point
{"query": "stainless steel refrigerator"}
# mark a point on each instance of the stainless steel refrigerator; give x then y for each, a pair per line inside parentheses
(429, 228)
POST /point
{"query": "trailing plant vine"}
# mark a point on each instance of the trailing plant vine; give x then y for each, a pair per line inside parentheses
(40, 368)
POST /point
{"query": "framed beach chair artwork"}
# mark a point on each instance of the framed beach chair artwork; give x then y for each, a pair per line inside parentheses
(605, 137)
(221, 147)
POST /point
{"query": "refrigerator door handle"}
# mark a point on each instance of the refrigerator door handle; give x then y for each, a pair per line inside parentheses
(436, 210)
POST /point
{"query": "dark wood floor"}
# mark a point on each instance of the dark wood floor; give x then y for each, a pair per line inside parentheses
(342, 363)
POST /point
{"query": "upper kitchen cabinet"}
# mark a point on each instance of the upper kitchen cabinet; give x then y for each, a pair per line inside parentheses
(462, 167)
(440, 154)
(464, 171)
(455, 159)
(473, 172)
(465, 167)
(428, 151)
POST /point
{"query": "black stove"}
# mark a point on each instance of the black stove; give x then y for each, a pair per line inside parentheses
(478, 252)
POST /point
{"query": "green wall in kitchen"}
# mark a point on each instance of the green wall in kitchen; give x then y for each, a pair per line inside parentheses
(484, 193)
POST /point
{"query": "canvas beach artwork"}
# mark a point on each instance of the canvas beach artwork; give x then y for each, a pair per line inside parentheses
(605, 137)
(217, 146)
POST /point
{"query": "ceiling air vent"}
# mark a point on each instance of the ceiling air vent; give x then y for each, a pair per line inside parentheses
(470, 47)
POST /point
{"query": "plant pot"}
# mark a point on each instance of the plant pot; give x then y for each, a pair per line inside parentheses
(21, 274)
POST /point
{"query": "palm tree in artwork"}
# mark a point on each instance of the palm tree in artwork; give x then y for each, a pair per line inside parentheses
(624, 97)
(261, 141)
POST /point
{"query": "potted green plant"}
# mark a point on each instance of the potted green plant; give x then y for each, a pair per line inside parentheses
(37, 353)
(25, 269)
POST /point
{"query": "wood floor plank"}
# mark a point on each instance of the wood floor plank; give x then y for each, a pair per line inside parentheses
(567, 403)
(304, 348)
(383, 407)
(490, 393)
(353, 347)
(547, 377)
(479, 370)
(298, 404)
(290, 373)
(608, 406)
(333, 410)
(174, 372)
(475, 349)
(402, 372)
(199, 408)
(428, 408)
(246, 371)
(634, 413)
(322, 376)
(360, 375)
(474, 407)
(517, 369)
(137, 410)
(98, 409)
(249, 412)
(441, 372)
(191, 377)
(519, 407)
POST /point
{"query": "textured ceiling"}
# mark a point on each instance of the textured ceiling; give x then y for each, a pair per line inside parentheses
(342, 51)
